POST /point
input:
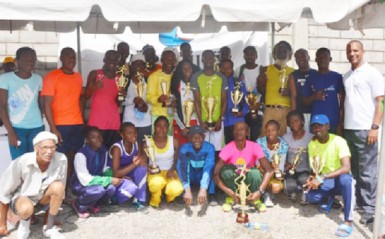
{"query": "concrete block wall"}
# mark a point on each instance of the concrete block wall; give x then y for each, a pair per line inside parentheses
(46, 45)
(318, 35)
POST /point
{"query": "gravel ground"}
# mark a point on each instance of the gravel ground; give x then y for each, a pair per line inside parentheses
(285, 220)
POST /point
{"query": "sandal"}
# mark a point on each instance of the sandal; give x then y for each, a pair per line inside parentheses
(259, 206)
(326, 207)
(344, 230)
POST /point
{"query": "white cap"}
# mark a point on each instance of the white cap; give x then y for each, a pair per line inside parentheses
(44, 136)
(138, 57)
(176, 52)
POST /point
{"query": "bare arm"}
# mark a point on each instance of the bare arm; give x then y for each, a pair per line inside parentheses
(293, 93)
(12, 137)
(91, 85)
(3, 219)
(340, 126)
(218, 180)
(118, 171)
(377, 119)
(268, 169)
(262, 81)
(47, 102)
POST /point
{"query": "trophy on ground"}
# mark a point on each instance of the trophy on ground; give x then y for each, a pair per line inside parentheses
(283, 78)
(241, 192)
(121, 82)
(210, 104)
(253, 101)
(150, 152)
(140, 86)
(236, 97)
(297, 159)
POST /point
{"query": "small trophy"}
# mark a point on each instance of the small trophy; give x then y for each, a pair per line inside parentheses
(150, 152)
(283, 80)
(140, 86)
(236, 97)
(121, 81)
(241, 192)
(276, 162)
(316, 164)
(297, 160)
(188, 109)
(252, 100)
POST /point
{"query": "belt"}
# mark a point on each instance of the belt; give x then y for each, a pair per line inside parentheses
(276, 106)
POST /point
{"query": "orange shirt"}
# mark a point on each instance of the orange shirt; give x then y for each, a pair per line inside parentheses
(66, 91)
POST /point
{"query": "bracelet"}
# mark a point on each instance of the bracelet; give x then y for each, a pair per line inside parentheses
(319, 179)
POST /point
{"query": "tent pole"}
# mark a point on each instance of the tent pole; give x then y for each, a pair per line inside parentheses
(272, 40)
(79, 47)
(378, 218)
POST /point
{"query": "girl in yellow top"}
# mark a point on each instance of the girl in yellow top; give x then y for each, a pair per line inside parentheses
(166, 156)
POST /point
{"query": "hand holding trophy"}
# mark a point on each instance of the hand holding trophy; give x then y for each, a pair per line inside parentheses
(140, 84)
(121, 82)
(150, 152)
(210, 105)
(276, 184)
(283, 79)
(242, 192)
(297, 160)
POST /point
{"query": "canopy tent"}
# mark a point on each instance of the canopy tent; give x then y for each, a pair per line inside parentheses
(112, 16)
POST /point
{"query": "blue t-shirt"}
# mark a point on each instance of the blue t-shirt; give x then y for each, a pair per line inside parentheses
(23, 107)
(300, 81)
(331, 83)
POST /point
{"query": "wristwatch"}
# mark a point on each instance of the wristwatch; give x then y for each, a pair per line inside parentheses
(261, 191)
(375, 126)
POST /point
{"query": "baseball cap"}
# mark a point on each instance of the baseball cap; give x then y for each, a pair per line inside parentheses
(196, 129)
(147, 47)
(319, 119)
(9, 59)
(138, 57)
(44, 136)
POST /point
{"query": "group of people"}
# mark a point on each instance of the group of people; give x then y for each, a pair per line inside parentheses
(160, 128)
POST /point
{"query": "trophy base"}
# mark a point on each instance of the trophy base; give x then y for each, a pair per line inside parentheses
(121, 97)
(254, 114)
(278, 174)
(292, 171)
(154, 169)
(283, 91)
(235, 110)
(210, 126)
(242, 218)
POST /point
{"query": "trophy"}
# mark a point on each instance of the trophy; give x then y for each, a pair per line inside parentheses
(241, 192)
(297, 160)
(316, 164)
(188, 109)
(210, 104)
(252, 100)
(150, 152)
(236, 97)
(140, 86)
(121, 82)
(283, 79)
(276, 162)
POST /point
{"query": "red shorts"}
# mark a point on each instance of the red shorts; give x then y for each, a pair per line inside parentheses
(178, 133)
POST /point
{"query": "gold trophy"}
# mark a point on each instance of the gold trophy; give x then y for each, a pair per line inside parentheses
(150, 152)
(140, 86)
(316, 164)
(241, 192)
(283, 79)
(236, 97)
(276, 162)
(188, 109)
(210, 104)
(297, 160)
(121, 82)
(252, 100)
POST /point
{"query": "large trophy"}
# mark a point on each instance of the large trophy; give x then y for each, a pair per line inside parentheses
(236, 97)
(164, 87)
(252, 100)
(241, 192)
(297, 159)
(140, 86)
(276, 162)
(188, 107)
(121, 81)
(210, 104)
(283, 79)
(150, 152)
(316, 164)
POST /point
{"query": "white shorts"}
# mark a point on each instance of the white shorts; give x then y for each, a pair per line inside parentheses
(215, 138)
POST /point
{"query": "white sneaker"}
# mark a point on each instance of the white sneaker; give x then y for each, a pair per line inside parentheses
(23, 231)
(52, 232)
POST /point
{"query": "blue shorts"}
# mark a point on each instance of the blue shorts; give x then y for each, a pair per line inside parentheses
(72, 136)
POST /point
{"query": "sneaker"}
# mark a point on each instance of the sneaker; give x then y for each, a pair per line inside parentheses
(23, 230)
(366, 218)
(78, 212)
(52, 232)
(267, 200)
(213, 200)
(112, 203)
(303, 200)
(259, 206)
(292, 196)
(140, 207)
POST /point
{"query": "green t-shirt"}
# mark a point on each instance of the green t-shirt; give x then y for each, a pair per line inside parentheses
(331, 152)
(218, 84)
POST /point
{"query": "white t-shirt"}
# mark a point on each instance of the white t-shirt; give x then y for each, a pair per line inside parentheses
(249, 76)
(131, 114)
(362, 86)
